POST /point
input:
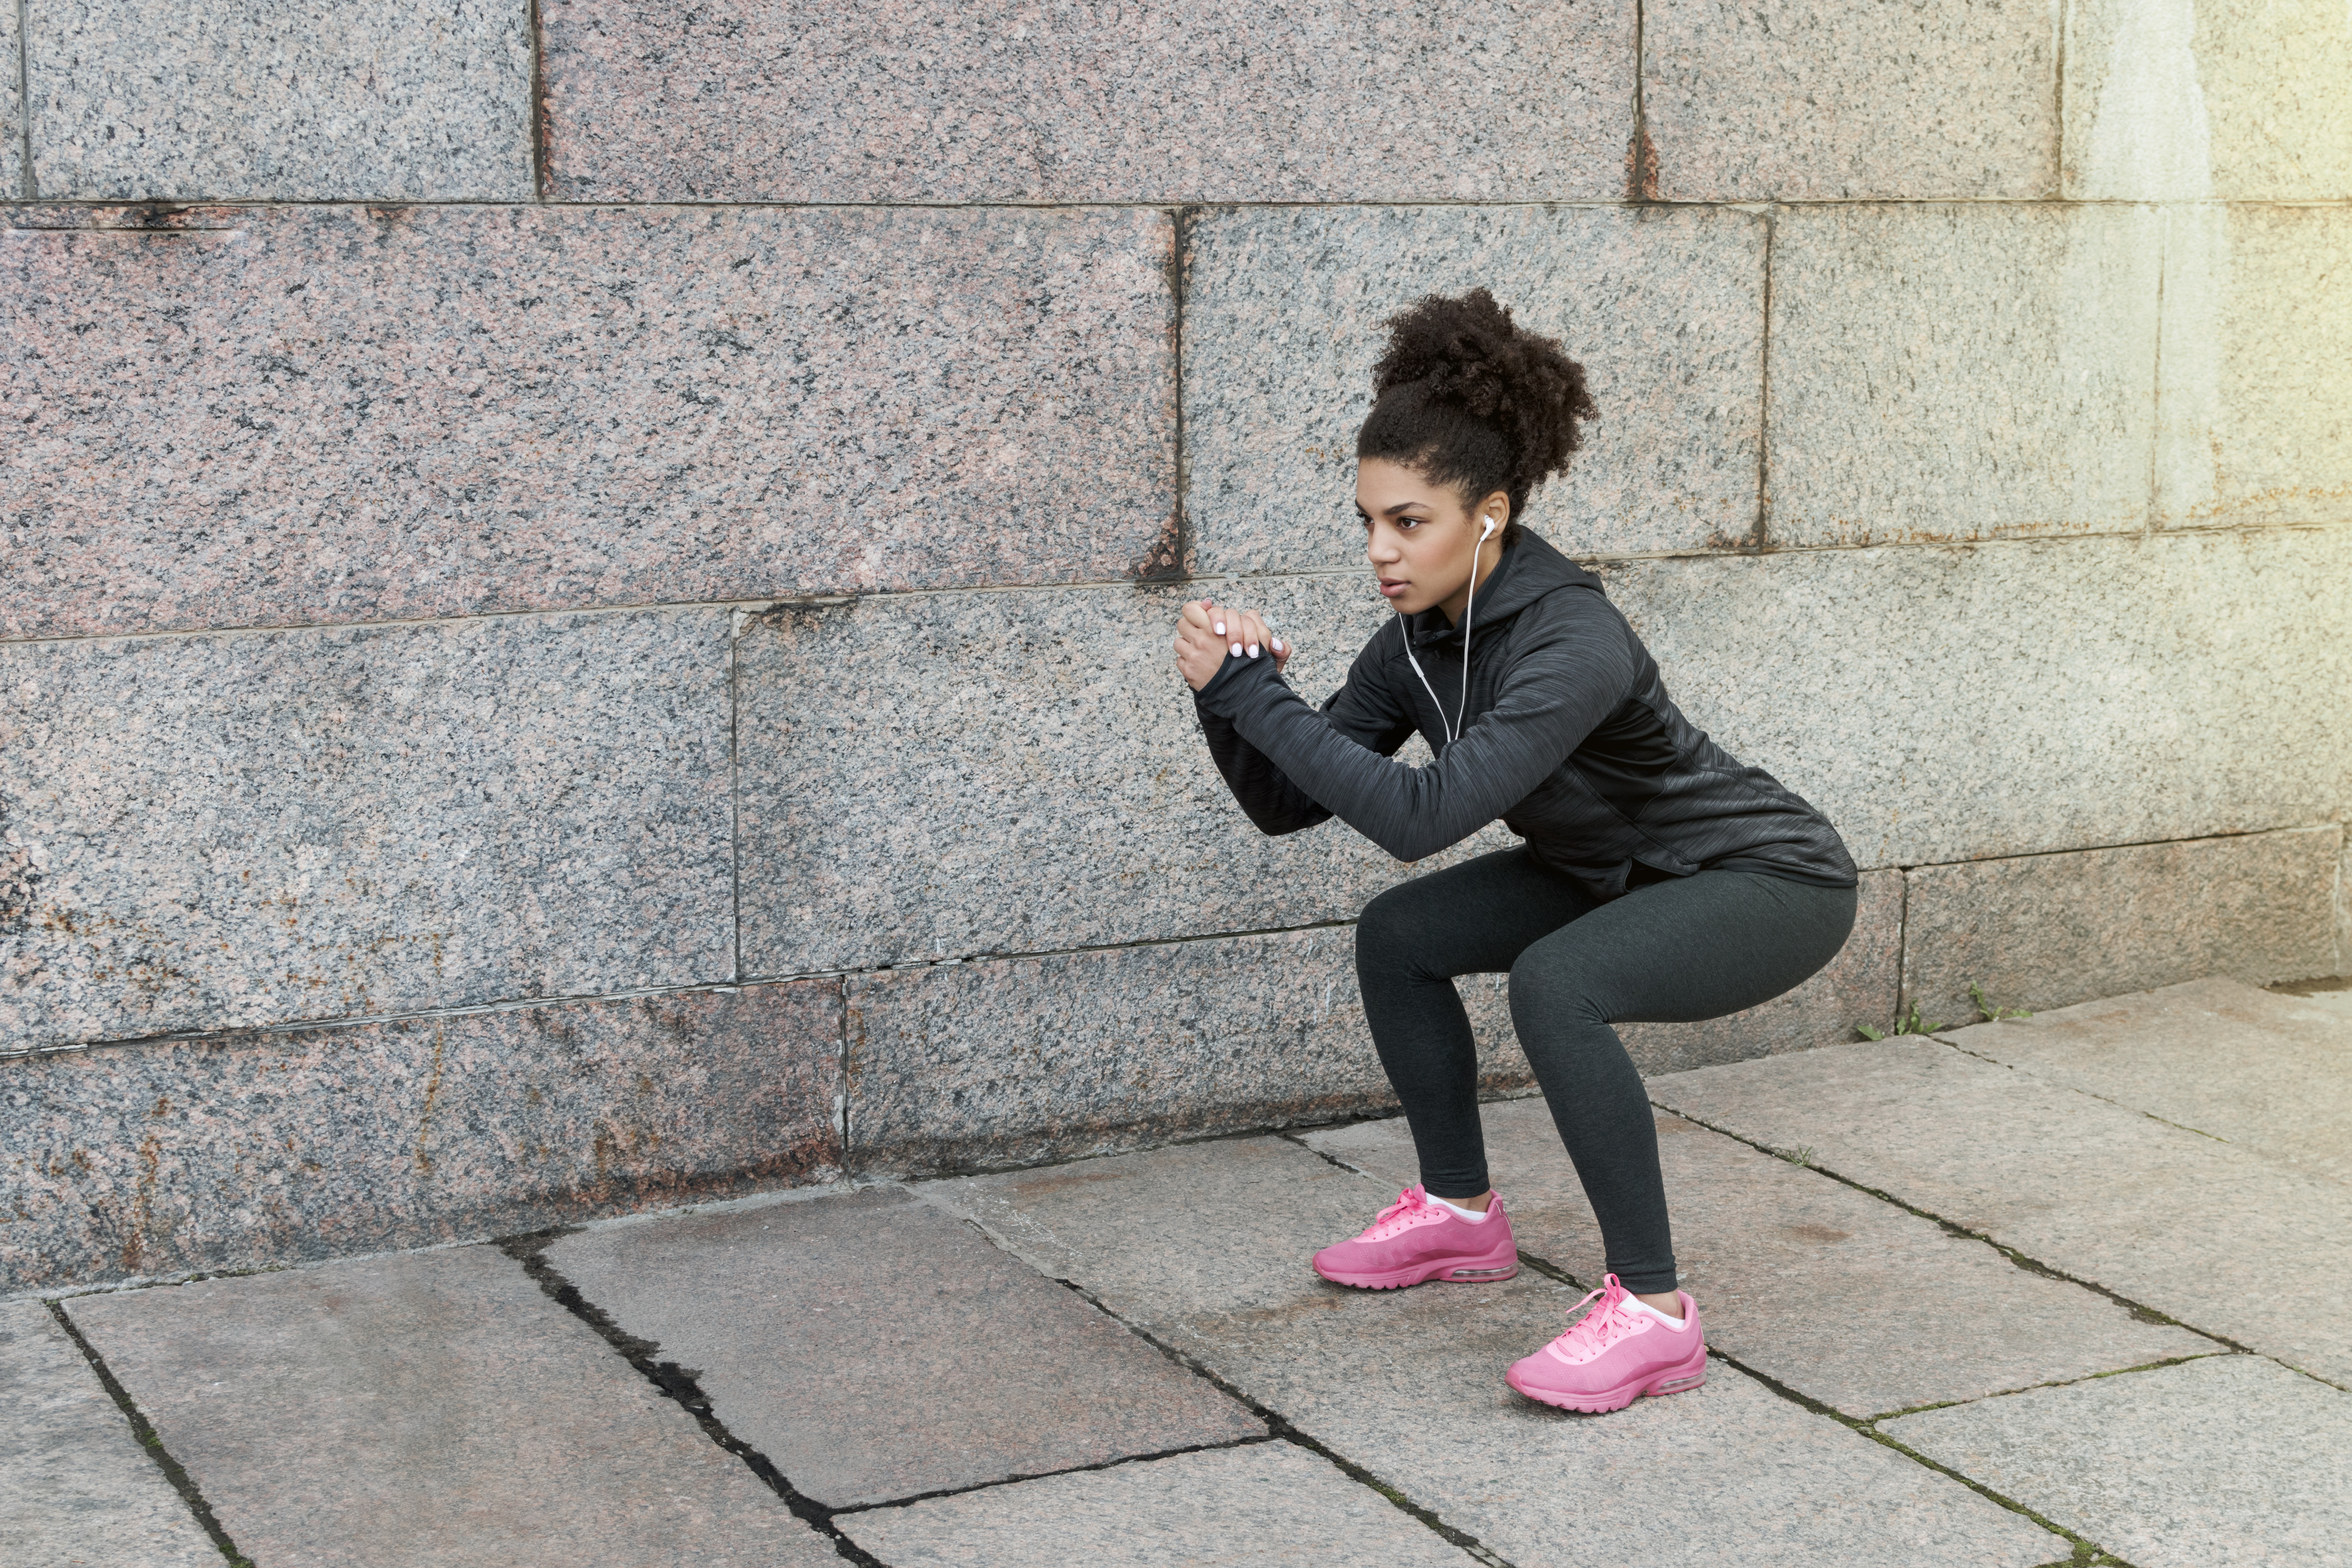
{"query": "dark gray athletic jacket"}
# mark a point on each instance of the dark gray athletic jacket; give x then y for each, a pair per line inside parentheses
(1570, 740)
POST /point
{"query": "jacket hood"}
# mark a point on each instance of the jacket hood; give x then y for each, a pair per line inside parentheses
(1531, 568)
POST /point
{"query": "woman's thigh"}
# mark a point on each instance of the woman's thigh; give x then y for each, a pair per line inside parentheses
(1472, 919)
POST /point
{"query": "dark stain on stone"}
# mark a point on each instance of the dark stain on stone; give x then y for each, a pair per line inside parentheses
(1642, 165)
(1817, 1232)
(1163, 560)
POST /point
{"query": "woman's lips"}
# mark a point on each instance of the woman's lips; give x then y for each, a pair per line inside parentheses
(1390, 590)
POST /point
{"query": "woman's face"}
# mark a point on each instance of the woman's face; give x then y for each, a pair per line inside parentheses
(1419, 536)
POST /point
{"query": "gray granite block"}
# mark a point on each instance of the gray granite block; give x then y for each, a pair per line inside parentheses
(1750, 98)
(999, 101)
(1269, 1505)
(1283, 319)
(1943, 704)
(2233, 1462)
(874, 1347)
(1949, 372)
(12, 110)
(2047, 930)
(1797, 1275)
(2240, 99)
(2225, 1239)
(241, 1151)
(436, 1409)
(210, 832)
(76, 1487)
(138, 100)
(273, 416)
(2269, 1072)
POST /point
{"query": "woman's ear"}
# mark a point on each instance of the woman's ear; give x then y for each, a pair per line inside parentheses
(1496, 508)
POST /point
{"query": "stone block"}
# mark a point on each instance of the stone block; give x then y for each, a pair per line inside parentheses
(2232, 1459)
(75, 1488)
(2047, 930)
(875, 1349)
(2253, 426)
(2240, 99)
(1957, 373)
(2225, 1239)
(1283, 321)
(999, 101)
(1749, 99)
(264, 416)
(436, 1409)
(1943, 704)
(142, 100)
(1270, 1504)
(210, 832)
(12, 111)
(2268, 1072)
(245, 1153)
(1792, 1271)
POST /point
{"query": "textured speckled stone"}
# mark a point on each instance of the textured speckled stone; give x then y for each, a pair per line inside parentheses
(2047, 930)
(2242, 99)
(2257, 330)
(1794, 1272)
(2017, 698)
(1270, 1505)
(1957, 373)
(2271, 1072)
(12, 108)
(245, 1151)
(278, 101)
(875, 1348)
(279, 415)
(75, 1488)
(1192, 102)
(206, 832)
(1282, 323)
(2233, 1462)
(435, 1410)
(1753, 98)
(2225, 1239)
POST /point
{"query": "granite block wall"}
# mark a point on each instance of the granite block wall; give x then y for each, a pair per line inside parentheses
(584, 587)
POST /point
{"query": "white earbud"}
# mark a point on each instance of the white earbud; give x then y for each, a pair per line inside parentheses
(1485, 530)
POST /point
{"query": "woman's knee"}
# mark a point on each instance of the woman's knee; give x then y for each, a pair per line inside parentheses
(1388, 932)
(1548, 988)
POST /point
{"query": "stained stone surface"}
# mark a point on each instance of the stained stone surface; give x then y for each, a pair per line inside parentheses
(2019, 698)
(1185, 102)
(222, 831)
(1944, 373)
(1270, 1505)
(1283, 321)
(2225, 1239)
(76, 1487)
(267, 415)
(434, 1409)
(2048, 931)
(1747, 99)
(1794, 1272)
(874, 1347)
(135, 99)
(2267, 1072)
(247, 1150)
(2240, 99)
(2233, 1462)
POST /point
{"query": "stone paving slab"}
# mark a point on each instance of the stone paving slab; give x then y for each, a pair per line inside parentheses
(2232, 1462)
(2227, 1240)
(76, 1487)
(1839, 1295)
(1209, 1243)
(874, 1347)
(2272, 1073)
(1269, 1505)
(435, 1410)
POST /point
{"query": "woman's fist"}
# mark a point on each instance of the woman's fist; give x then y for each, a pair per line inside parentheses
(1208, 633)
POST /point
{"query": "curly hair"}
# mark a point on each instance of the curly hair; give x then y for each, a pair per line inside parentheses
(1468, 399)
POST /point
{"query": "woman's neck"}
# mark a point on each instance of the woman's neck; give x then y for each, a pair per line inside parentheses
(1490, 556)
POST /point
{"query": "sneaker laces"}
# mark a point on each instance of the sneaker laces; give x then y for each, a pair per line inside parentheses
(1400, 1215)
(1598, 1329)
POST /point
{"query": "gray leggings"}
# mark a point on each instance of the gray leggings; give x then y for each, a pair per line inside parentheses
(1671, 952)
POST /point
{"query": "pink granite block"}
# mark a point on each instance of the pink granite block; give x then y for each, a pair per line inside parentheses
(242, 1151)
(271, 416)
(1015, 100)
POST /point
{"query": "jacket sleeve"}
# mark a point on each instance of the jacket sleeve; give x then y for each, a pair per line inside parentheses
(1361, 709)
(1571, 666)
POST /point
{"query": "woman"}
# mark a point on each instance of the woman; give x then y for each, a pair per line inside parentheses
(1659, 879)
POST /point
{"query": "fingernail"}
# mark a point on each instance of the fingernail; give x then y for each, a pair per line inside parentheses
(1252, 651)
(1221, 629)
(1237, 650)
(1278, 645)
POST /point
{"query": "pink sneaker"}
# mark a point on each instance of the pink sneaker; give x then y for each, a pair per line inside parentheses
(1414, 1239)
(1613, 1354)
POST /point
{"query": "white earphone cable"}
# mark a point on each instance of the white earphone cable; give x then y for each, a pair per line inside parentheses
(1454, 726)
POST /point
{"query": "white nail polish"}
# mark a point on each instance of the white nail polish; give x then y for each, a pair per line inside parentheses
(1221, 629)
(1252, 651)
(1278, 645)
(1237, 650)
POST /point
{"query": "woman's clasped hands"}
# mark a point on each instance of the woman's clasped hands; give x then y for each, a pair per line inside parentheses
(1208, 633)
